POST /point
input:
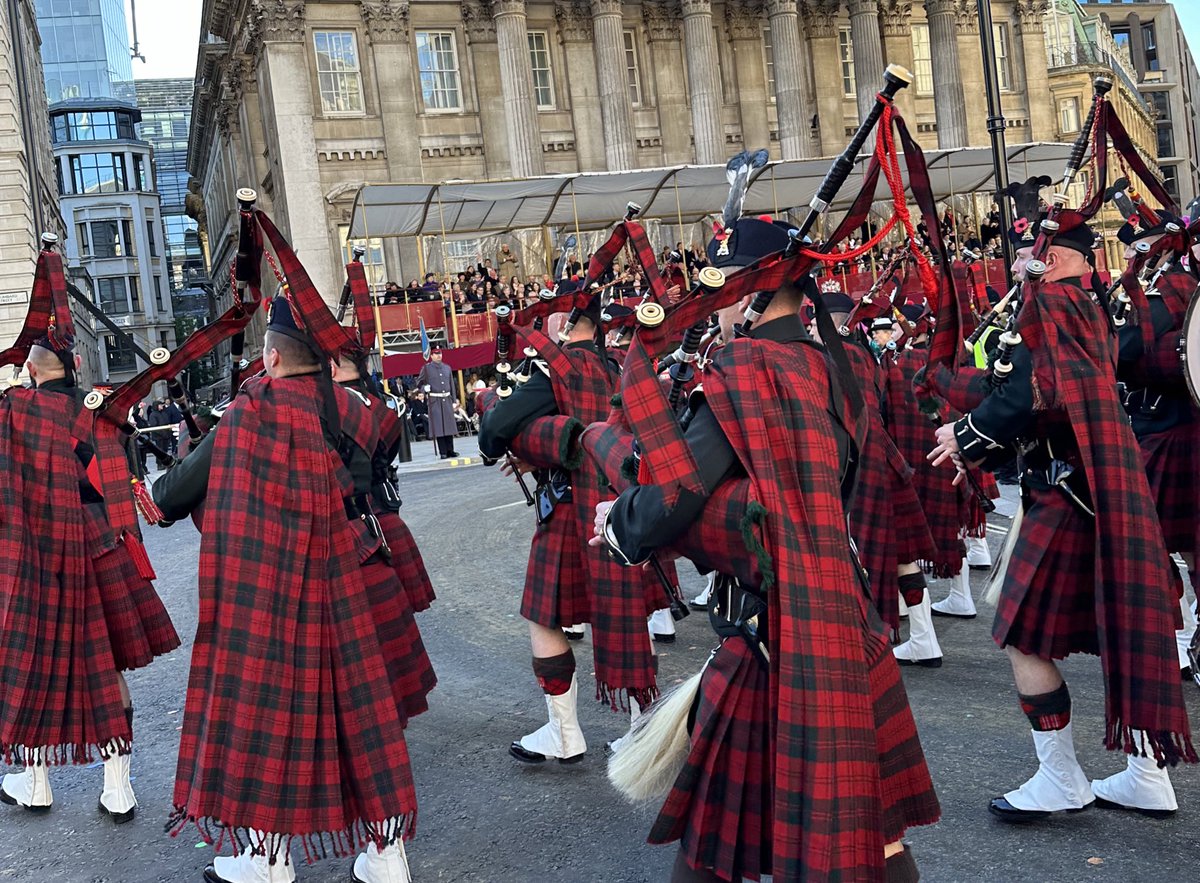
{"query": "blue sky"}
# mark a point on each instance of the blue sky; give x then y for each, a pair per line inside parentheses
(1189, 16)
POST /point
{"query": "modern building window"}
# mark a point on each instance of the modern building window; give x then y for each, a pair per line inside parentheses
(1171, 182)
(437, 62)
(846, 54)
(373, 263)
(1068, 115)
(543, 77)
(1003, 56)
(151, 238)
(85, 243)
(1150, 47)
(338, 73)
(113, 298)
(139, 173)
(769, 61)
(922, 59)
(1166, 139)
(158, 295)
(130, 242)
(633, 74)
(120, 353)
(135, 298)
(98, 173)
(98, 126)
(106, 239)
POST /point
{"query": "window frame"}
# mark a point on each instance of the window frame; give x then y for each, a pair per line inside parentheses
(633, 72)
(100, 244)
(769, 63)
(106, 282)
(846, 61)
(336, 76)
(923, 83)
(113, 346)
(1002, 38)
(1069, 105)
(460, 107)
(548, 70)
(374, 261)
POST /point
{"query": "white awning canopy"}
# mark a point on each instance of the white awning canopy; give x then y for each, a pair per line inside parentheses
(596, 200)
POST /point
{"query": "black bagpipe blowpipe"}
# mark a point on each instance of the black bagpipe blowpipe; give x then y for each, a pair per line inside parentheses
(682, 361)
(246, 270)
(990, 317)
(895, 78)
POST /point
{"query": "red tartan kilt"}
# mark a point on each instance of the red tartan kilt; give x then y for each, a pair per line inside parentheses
(556, 590)
(407, 562)
(139, 627)
(408, 667)
(1173, 468)
(914, 541)
(723, 819)
(870, 526)
(1047, 603)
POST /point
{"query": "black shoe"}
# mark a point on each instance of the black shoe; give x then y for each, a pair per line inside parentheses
(663, 639)
(211, 876)
(119, 818)
(574, 636)
(699, 607)
(523, 754)
(7, 798)
(936, 662)
(1005, 811)
(1149, 813)
(1185, 673)
(937, 612)
(453, 454)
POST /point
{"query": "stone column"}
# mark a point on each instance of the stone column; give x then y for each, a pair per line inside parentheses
(793, 106)
(822, 19)
(616, 112)
(948, 104)
(388, 29)
(485, 65)
(704, 81)
(297, 196)
(868, 52)
(674, 120)
(745, 26)
(516, 85)
(1031, 31)
(575, 31)
(895, 23)
(970, 63)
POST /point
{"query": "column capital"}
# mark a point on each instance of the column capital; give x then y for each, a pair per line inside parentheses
(606, 7)
(661, 18)
(696, 7)
(574, 19)
(966, 14)
(479, 21)
(507, 7)
(862, 7)
(277, 20)
(895, 17)
(780, 7)
(820, 16)
(744, 20)
(387, 21)
(940, 7)
(1031, 15)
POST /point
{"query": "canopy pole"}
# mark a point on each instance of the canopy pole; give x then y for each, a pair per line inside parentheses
(375, 307)
(687, 281)
(996, 125)
(462, 390)
(578, 234)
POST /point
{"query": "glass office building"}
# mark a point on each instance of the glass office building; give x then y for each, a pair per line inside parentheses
(85, 49)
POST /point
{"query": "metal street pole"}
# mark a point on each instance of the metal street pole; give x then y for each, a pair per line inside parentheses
(995, 127)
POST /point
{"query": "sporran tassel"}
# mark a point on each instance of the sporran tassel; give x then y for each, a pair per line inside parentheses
(145, 503)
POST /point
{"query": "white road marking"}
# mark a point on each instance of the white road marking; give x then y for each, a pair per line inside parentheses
(506, 506)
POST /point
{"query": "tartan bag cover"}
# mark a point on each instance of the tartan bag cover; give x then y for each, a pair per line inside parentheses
(1074, 372)
(58, 675)
(583, 388)
(290, 726)
(771, 400)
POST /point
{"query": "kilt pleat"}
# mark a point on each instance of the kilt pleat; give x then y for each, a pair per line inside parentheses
(1047, 601)
(408, 667)
(556, 588)
(407, 562)
(1173, 468)
(139, 627)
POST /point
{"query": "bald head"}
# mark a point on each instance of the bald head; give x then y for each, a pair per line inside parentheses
(344, 369)
(44, 364)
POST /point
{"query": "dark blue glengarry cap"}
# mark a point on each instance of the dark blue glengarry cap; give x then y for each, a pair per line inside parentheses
(65, 344)
(1135, 228)
(283, 321)
(838, 301)
(912, 312)
(748, 240)
(1081, 239)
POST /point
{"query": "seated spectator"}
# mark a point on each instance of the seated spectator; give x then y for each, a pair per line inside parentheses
(419, 412)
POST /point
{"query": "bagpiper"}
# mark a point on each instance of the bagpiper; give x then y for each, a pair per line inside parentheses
(76, 600)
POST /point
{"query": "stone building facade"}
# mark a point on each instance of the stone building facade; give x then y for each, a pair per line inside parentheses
(306, 101)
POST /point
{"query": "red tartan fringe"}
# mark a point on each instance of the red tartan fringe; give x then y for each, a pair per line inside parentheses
(940, 569)
(141, 560)
(63, 755)
(145, 502)
(618, 698)
(1169, 749)
(315, 846)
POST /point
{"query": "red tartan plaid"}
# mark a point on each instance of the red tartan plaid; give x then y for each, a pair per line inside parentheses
(1172, 461)
(407, 562)
(364, 310)
(773, 402)
(1136, 600)
(556, 581)
(58, 669)
(964, 390)
(48, 304)
(550, 442)
(139, 627)
(291, 724)
(715, 541)
(609, 448)
(408, 667)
